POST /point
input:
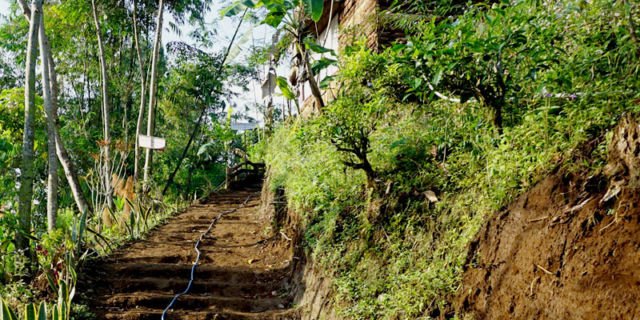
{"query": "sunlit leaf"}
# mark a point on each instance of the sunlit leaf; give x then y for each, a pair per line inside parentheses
(314, 8)
(322, 64)
(283, 85)
(274, 18)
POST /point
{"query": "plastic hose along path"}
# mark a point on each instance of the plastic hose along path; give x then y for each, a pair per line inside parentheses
(239, 270)
(199, 253)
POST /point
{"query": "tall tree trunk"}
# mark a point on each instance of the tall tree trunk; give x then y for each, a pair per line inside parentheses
(63, 156)
(72, 176)
(27, 171)
(315, 89)
(51, 113)
(105, 111)
(143, 95)
(153, 88)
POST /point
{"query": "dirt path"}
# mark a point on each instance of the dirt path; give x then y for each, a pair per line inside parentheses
(243, 274)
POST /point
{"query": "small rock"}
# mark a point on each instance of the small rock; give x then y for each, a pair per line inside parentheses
(431, 196)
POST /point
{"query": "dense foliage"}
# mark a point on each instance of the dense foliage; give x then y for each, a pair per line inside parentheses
(197, 87)
(425, 138)
(429, 137)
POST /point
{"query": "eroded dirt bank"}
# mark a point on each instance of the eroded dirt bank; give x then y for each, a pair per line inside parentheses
(245, 271)
(311, 288)
(567, 249)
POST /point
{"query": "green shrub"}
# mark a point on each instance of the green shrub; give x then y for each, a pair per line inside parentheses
(394, 253)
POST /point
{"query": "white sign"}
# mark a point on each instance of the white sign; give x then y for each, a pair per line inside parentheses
(243, 126)
(154, 143)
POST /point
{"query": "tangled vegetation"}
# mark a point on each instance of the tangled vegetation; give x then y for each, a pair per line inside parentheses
(428, 138)
(72, 183)
(424, 140)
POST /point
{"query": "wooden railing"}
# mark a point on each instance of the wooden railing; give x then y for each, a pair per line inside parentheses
(244, 173)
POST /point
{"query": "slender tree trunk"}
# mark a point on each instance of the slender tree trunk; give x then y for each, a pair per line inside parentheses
(63, 156)
(27, 171)
(313, 84)
(153, 88)
(52, 173)
(72, 177)
(128, 105)
(268, 116)
(315, 89)
(143, 95)
(105, 111)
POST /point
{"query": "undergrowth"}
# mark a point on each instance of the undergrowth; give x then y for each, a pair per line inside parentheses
(75, 244)
(393, 249)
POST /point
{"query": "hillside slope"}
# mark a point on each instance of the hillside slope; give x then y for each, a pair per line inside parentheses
(567, 249)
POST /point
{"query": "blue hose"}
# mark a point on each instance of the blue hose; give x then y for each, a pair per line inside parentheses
(195, 263)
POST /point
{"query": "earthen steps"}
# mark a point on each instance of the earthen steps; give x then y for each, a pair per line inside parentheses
(195, 302)
(153, 314)
(213, 287)
(243, 273)
(173, 270)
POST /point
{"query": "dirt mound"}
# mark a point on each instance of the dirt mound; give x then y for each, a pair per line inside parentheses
(244, 273)
(567, 249)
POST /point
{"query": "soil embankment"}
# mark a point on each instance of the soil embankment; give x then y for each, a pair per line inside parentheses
(567, 249)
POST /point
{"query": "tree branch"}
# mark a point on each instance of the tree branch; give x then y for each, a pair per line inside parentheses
(25, 9)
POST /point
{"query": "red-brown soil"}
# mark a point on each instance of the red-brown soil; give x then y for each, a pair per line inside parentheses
(244, 273)
(561, 251)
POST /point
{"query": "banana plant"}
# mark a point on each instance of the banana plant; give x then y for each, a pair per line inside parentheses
(291, 17)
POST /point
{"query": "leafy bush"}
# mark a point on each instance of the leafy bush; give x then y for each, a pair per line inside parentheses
(568, 71)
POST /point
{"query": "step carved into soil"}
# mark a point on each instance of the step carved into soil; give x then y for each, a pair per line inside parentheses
(243, 273)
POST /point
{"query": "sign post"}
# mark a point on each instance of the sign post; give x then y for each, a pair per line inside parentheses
(153, 143)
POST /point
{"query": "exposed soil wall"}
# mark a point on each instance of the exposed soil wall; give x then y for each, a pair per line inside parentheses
(567, 249)
(311, 290)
